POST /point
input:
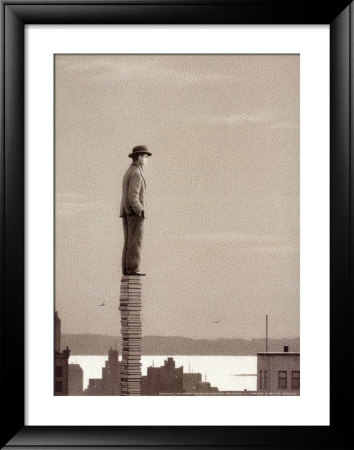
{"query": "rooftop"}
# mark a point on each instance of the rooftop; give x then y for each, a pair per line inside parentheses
(278, 353)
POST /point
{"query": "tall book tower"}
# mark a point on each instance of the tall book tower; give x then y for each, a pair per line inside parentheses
(130, 308)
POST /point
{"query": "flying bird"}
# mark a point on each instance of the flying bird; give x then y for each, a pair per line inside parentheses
(216, 321)
(102, 304)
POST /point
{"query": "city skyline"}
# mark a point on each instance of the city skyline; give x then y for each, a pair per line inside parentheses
(122, 376)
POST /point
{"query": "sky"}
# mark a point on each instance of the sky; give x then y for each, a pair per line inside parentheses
(221, 238)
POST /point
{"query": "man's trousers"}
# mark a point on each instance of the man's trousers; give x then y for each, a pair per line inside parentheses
(133, 227)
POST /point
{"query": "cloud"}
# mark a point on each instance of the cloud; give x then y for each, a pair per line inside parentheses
(70, 197)
(244, 118)
(68, 204)
(279, 249)
(286, 125)
(237, 119)
(265, 117)
(111, 70)
(254, 243)
(229, 237)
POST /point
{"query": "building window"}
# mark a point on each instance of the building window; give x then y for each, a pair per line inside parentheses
(260, 378)
(282, 379)
(58, 386)
(58, 371)
(295, 379)
(265, 379)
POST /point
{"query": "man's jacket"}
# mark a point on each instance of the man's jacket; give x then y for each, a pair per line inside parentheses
(133, 192)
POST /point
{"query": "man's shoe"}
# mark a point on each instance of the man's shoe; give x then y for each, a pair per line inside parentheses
(140, 274)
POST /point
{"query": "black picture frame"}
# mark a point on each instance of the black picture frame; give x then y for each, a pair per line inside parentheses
(14, 16)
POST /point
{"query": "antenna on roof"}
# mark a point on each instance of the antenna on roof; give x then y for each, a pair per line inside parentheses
(266, 332)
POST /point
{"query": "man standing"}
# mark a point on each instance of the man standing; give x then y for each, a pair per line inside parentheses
(132, 210)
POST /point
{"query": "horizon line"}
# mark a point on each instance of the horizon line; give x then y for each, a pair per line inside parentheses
(182, 337)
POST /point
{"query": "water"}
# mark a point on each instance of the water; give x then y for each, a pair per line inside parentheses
(228, 373)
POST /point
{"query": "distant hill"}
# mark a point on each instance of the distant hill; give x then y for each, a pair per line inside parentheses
(94, 344)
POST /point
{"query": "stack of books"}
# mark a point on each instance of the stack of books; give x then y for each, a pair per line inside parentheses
(130, 308)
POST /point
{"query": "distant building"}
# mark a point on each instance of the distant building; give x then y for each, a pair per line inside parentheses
(95, 387)
(61, 377)
(190, 381)
(61, 386)
(109, 384)
(111, 374)
(278, 371)
(76, 379)
(204, 387)
(57, 332)
(164, 379)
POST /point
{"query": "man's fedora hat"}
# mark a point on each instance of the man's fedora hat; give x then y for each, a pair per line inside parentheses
(139, 149)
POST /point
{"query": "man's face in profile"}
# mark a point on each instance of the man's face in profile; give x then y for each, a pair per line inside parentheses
(143, 159)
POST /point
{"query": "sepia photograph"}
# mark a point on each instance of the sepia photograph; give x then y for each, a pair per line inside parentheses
(177, 225)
